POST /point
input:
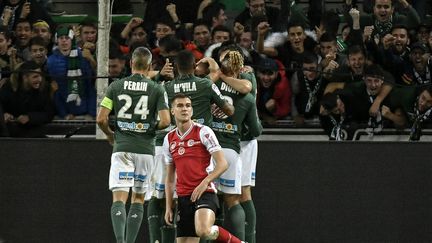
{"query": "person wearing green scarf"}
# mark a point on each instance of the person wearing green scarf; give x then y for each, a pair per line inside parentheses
(76, 95)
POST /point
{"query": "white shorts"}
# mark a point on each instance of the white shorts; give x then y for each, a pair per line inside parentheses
(230, 181)
(249, 155)
(157, 176)
(129, 170)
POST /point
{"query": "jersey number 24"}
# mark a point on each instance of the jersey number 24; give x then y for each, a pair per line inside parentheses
(140, 107)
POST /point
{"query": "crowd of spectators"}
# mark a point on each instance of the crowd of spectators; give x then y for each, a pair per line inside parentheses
(373, 68)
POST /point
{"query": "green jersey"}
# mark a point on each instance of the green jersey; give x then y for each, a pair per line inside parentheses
(136, 102)
(246, 136)
(203, 94)
(228, 130)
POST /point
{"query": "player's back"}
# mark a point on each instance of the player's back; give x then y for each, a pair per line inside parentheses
(202, 92)
(136, 102)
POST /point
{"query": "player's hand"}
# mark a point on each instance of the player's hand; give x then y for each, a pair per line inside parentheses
(246, 69)
(169, 216)
(167, 70)
(374, 109)
(199, 190)
(110, 138)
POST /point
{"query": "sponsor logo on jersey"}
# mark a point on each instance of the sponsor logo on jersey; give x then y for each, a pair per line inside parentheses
(199, 120)
(126, 176)
(181, 151)
(172, 146)
(133, 126)
(224, 127)
(190, 143)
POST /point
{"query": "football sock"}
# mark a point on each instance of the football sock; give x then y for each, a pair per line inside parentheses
(154, 220)
(235, 221)
(134, 220)
(222, 235)
(250, 213)
(118, 219)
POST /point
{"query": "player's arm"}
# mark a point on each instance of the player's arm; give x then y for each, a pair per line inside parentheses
(243, 86)
(209, 140)
(219, 100)
(253, 122)
(102, 119)
(165, 119)
(169, 182)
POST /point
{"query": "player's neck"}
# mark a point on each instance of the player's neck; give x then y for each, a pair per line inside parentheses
(184, 126)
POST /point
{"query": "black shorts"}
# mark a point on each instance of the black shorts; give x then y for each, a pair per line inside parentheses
(186, 212)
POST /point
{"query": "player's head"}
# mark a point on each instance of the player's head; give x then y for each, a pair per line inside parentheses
(185, 62)
(181, 108)
(141, 59)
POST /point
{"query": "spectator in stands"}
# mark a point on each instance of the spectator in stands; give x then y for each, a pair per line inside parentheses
(201, 39)
(169, 47)
(273, 92)
(423, 33)
(220, 34)
(13, 10)
(42, 29)
(308, 86)
(384, 17)
(329, 52)
(352, 71)
(31, 106)
(291, 51)
(38, 51)
(5, 55)
(23, 34)
(87, 40)
(416, 111)
(214, 14)
(76, 95)
(133, 32)
(116, 65)
(256, 8)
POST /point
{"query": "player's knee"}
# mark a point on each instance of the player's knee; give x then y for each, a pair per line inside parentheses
(137, 197)
(202, 231)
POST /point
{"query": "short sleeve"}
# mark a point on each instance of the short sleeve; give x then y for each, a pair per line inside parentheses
(209, 140)
(165, 149)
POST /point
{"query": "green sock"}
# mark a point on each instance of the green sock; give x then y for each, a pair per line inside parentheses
(154, 220)
(250, 213)
(168, 234)
(235, 221)
(118, 219)
(134, 220)
(221, 212)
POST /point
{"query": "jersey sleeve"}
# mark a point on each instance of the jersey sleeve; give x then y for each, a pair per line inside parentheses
(252, 121)
(162, 102)
(251, 77)
(107, 101)
(209, 140)
(165, 149)
(216, 95)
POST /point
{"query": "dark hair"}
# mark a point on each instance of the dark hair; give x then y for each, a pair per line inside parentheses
(212, 11)
(185, 60)
(373, 70)
(330, 20)
(29, 67)
(37, 40)
(427, 88)
(328, 37)
(200, 22)
(5, 32)
(329, 101)
(309, 57)
(166, 21)
(399, 26)
(171, 43)
(221, 28)
(19, 21)
(89, 21)
(180, 96)
(292, 24)
(355, 49)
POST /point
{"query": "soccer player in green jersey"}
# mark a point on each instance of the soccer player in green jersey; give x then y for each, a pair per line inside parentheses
(137, 102)
(228, 130)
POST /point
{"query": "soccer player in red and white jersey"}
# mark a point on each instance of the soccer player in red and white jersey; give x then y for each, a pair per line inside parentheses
(187, 150)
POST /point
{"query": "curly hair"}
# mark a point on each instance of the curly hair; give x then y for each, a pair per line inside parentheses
(232, 62)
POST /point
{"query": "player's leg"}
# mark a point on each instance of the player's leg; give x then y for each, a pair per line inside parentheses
(120, 180)
(248, 156)
(230, 185)
(204, 221)
(185, 225)
(136, 211)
